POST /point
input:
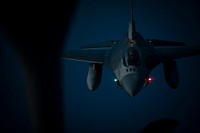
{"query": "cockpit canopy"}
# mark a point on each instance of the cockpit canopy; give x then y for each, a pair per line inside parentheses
(132, 57)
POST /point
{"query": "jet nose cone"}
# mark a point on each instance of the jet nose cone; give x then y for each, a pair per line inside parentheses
(132, 84)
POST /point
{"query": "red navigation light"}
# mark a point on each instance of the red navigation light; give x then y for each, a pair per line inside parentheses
(147, 81)
(150, 79)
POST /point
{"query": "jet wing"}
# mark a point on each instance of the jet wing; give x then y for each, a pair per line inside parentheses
(157, 42)
(93, 56)
(178, 52)
(105, 44)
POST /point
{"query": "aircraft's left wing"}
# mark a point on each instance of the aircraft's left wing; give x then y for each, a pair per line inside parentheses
(178, 52)
(93, 56)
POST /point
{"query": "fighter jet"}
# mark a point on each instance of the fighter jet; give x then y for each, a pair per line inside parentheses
(132, 58)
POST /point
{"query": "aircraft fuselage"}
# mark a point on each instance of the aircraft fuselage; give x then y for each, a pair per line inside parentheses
(129, 60)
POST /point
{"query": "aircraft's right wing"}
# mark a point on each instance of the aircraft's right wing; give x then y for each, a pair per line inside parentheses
(93, 53)
(93, 56)
(106, 44)
(178, 52)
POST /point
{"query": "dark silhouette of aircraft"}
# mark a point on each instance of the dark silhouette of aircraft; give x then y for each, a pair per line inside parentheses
(37, 32)
(132, 58)
(161, 126)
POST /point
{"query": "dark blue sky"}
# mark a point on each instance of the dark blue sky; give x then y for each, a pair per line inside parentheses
(109, 108)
